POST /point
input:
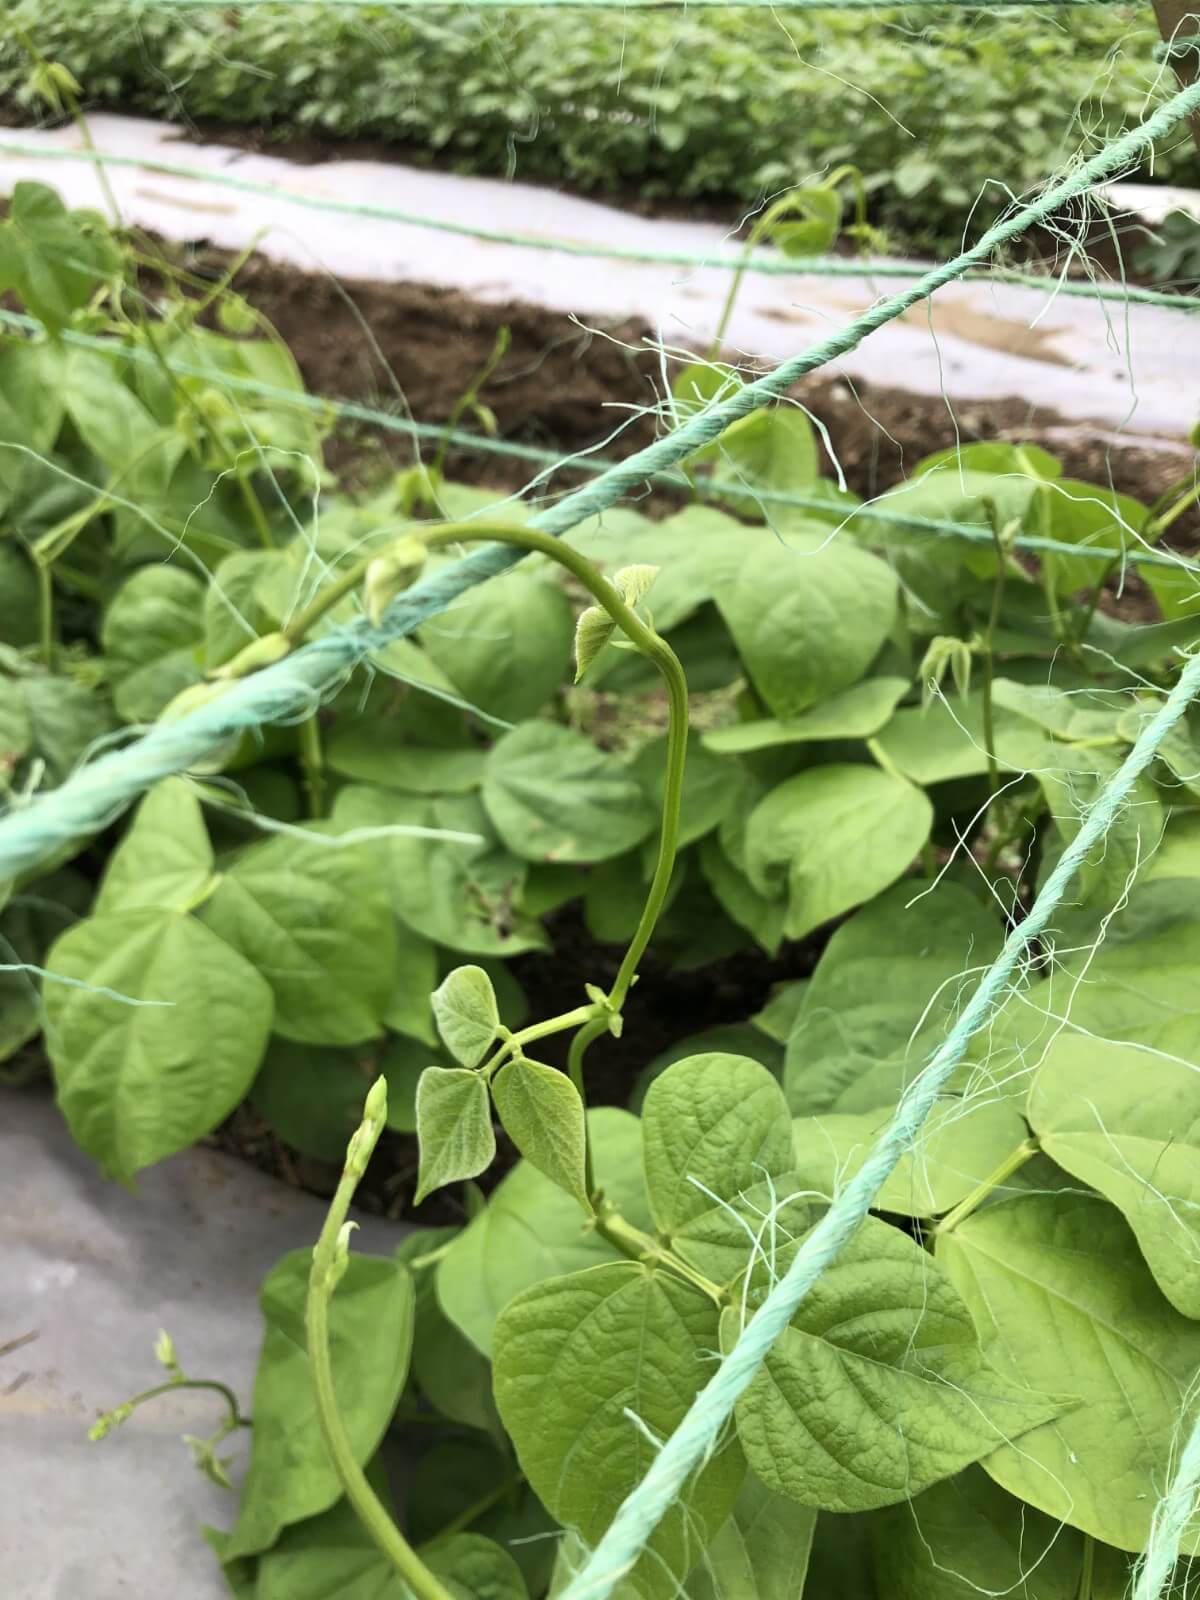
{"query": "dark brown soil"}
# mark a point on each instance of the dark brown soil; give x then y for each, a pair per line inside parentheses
(414, 349)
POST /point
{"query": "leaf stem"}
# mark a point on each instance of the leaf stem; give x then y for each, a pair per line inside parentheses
(1011, 1163)
(1086, 1568)
(45, 580)
(987, 650)
(329, 1262)
(312, 759)
(465, 1518)
(639, 1246)
(126, 1409)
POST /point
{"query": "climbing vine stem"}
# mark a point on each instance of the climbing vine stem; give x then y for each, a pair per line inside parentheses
(330, 1259)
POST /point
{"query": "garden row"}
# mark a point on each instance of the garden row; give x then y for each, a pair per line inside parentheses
(891, 732)
(945, 112)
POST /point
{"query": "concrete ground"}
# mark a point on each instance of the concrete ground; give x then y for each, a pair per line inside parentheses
(88, 1275)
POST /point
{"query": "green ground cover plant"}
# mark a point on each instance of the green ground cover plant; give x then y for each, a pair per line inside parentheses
(835, 726)
(951, 113)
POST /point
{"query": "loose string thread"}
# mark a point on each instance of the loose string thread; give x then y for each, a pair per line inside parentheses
(764, 263)
(714, 488)
(697, 1434)
(98, 791)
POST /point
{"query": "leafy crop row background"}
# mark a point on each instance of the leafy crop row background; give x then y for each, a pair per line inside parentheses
(945, 114)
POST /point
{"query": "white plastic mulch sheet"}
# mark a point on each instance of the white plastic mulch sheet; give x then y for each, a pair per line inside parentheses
(88, 1275)
(1128, 368)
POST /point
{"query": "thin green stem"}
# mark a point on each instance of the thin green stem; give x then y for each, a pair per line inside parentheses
(542, 1030)
(122, 1412)
(484, 1504)
(46, 638)
(469, 397)
(1086, 1568)
(1011, 1163)
(1164, 520)
(1093, 599)
(664, 658)
(312, 759)
(579, 1046)
(639, 1246)
(988, 653)
(328, 1264)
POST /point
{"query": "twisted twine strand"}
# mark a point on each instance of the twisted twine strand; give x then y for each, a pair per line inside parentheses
(99, 790)
(697, 1434)
(710, 488)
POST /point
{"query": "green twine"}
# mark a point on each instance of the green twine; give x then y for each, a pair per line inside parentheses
(710, 488)
(1169, 1523)
(697, 1434)
(98, 791)
(612, 5)
(768, 265)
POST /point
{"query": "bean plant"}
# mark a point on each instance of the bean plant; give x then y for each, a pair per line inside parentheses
(776, 722)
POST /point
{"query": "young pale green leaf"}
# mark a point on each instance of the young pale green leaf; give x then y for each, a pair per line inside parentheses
(475, 1568)
(774, 448)
(961, 1144)
(808, 618)
(712, 1125)
(595, 627)
(576, 1359)
(454, 1125)
(464, 1008)
(833, 837)
(542, 1114)
(1073, 715)
(877, 1387)
(165, 860)
(944, 740)
(1071, 781)
(291, 1477)
(761, 1553)
(554, 797)
(1127, 1122)
(505, 645)
(886, 986)
(316, 920)
(966, 1535)
(1064, 1303)
(700, 383)
(498, 1254)
(1103, 523)
(155, 1034)
(854, 713)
